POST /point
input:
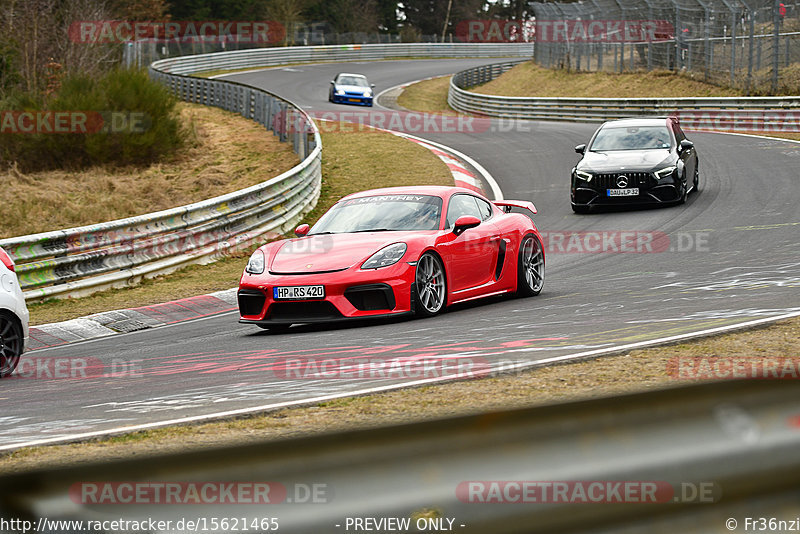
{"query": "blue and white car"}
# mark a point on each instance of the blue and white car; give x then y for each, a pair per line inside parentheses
(14, 317)
(349, 88)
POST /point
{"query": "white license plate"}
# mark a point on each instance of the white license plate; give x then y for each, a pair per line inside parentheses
(632, 192)
(298, 292)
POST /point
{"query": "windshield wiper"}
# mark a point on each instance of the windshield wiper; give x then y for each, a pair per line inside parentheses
(373, 230)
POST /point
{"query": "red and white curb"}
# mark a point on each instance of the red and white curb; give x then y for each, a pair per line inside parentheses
(461, 176)
(124, 321)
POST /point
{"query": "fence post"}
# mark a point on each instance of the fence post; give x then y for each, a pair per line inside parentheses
(776, 20)
(733, 48)
(750, 52)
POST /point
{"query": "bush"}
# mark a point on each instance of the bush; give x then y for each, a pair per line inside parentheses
(131, 121)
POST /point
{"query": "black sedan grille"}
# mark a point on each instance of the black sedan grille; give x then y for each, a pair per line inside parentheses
(642, 180)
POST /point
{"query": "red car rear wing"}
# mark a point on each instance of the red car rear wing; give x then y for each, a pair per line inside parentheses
(506, 205)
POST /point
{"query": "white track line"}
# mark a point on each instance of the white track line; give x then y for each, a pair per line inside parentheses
(313, 400)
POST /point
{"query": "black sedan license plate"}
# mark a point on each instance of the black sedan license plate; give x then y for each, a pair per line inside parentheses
(298, 292)
(631, 192)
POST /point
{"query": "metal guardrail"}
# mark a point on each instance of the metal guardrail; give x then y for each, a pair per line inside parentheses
(716, 451)
(82, 260)
(266, 57)
(719, 113)
(78, 261)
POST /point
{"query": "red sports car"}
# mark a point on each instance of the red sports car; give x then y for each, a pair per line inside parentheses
(390, 252)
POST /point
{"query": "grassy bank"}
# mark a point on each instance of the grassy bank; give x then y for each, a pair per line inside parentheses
(529, 79)
(216, 163)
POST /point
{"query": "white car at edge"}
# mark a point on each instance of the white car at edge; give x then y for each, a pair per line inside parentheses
(14, 317)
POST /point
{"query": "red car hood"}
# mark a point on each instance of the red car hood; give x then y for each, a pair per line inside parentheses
(334, 252)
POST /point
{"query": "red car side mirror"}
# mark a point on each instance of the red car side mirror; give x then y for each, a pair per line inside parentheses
(465, 222)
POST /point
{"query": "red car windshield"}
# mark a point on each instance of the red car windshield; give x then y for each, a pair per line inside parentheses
(381, 213)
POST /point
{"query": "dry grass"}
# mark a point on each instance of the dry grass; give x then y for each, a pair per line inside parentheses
(351, 162)
(429, 96)
(528, 79)
(215, 164)
(637, 371)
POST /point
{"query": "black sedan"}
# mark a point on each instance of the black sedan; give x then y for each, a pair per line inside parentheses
(635, 161)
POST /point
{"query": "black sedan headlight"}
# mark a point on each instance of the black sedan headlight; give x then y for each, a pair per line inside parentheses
(583, 175)
(666, 172)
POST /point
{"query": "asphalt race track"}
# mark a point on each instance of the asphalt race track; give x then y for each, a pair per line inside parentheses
(729, 255)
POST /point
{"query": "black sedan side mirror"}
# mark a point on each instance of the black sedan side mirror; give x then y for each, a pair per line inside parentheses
(686, 144)
(580, 149)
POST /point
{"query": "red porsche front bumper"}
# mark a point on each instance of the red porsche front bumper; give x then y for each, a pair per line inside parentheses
(350, 294)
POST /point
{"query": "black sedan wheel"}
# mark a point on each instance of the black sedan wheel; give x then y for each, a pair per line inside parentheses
(10, 344)
(530, 267)
(430, 285)
(696, 187)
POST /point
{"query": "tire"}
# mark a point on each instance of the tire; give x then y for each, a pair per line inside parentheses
(580, 209)
(530, 267)
(430, 286)
(275, 328)
(11, 344)
(696, 188)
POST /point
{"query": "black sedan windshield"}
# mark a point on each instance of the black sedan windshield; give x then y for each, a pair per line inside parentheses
(381, 213)
(631, 138)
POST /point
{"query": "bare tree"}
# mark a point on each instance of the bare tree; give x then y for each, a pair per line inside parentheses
(83, 57)
(37, 41)
(287, 12)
